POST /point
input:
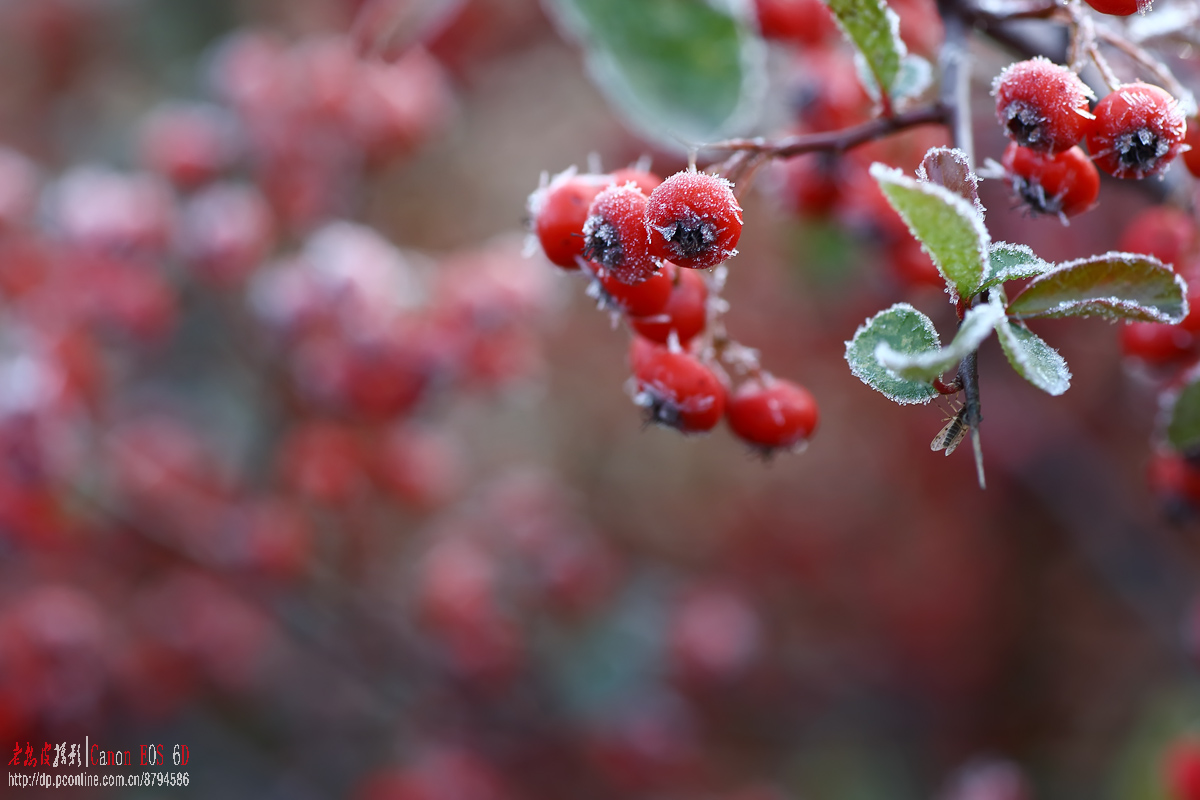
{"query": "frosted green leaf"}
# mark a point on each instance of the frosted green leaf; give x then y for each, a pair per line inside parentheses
(1033, 359)
(976, 326)
(680, 71)
(1183, 429)
(874, 29)
(949, 228)
(905, 331)
(1008, 262)
(1114, 285)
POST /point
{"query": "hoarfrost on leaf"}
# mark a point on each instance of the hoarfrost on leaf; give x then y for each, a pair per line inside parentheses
(1007, 262)
(948, 226)
(976, 326)
(906, 331)
(1113, 285)
(1033, 359)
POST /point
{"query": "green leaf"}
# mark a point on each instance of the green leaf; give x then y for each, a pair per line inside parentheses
(1008, 262)
(1114, 285)
(681, 71)
(1183, 430)
(1033, 359)
(874, 29)
(904, 330)
(949, 228)
(976, 326)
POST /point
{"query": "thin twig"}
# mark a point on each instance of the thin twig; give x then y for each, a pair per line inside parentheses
(1153, 65)
(836, 141)
(956, 79)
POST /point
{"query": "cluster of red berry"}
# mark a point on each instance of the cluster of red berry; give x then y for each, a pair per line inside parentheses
(226, 261)
(1133, 132)
(640, 240)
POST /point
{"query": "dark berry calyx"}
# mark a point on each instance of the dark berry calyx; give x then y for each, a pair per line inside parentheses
(1025, 124)
(1141, 150)
(660, 410)
(602, 244)
(689, 238)
(1034, 196)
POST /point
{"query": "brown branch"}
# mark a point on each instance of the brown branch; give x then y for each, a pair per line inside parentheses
(837, 141)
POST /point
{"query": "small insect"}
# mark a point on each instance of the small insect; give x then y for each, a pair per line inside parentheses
(949, 437)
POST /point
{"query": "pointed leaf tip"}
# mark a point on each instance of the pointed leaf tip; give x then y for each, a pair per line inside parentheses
(1115, 285)
(948, 226)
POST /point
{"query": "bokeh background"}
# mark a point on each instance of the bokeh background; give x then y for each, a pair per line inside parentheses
(307, 463)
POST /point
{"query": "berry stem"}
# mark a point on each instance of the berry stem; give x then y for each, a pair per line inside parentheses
(1083, 40)
(968, 376)
(1154, 66)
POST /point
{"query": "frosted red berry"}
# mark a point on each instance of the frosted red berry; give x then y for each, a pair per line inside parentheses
(559, 211)
(644, 179)
(615, 236)
(1063, 184)
(677, 389)
(635, 300)
(772, 414)
(1119, 8)
(1139, 130)
(1041, 105)
(685, 312)
(694, 220)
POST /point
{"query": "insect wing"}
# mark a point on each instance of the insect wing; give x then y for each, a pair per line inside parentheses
(949, 437)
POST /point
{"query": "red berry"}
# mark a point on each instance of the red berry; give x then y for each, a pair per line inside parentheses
(640, 299)
(559, 212)
(1155, 342)
(188, 143)
(772, 414)
(615, 235)
(1164, 232)
(1064, 184)
(226, 230)
(676, 389)
(1041, 105)
(715, 634)
(1120, 8)
(685, 312)
(694, 220)
(19, 188)
(813, 183)
(323, 461)
(1139, 129)
(645, 180)
(1191, 158)
(804, 22)
(912, 265)
(1182, 767)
